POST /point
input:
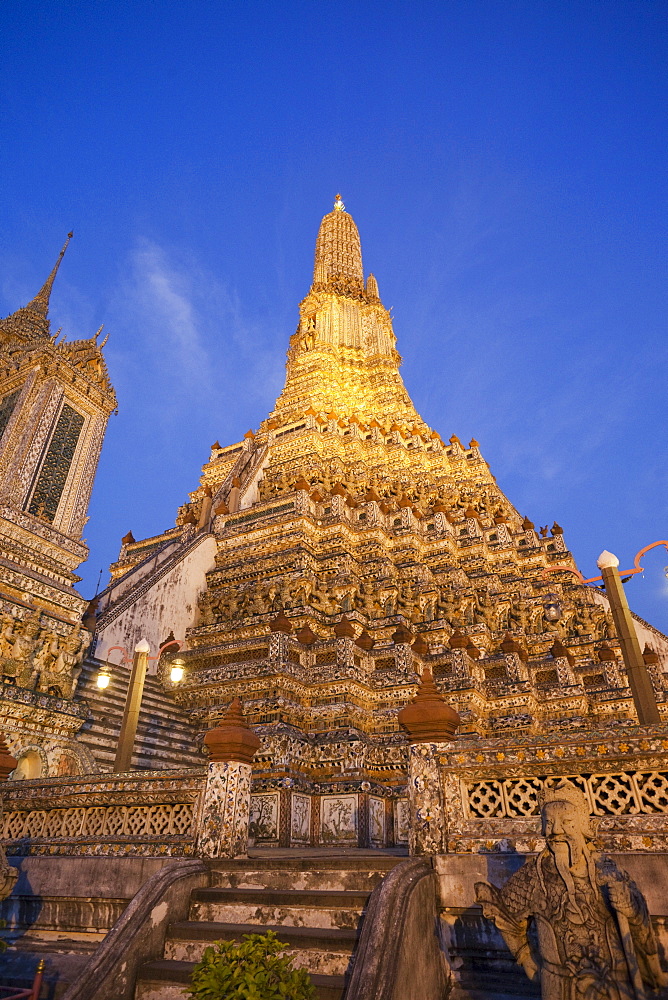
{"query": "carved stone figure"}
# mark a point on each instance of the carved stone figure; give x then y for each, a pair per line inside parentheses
(19, 665)
(7, 636)
(593, 931)
(60, 662)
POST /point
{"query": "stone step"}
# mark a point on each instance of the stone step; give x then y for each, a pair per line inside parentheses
(165, 980)
(145, 731)
(325, 951)
(166, 738)
(115, 696)
(333, 874)
(325, 909)
(480, 985)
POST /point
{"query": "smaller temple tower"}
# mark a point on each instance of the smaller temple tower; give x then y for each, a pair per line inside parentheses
(55, 400)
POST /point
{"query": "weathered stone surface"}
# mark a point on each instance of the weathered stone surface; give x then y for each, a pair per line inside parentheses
(400, 955)
(139, 933)
(223, 829)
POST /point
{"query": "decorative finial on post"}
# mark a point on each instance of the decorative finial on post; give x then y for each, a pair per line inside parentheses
(428, 718)
(232, 738)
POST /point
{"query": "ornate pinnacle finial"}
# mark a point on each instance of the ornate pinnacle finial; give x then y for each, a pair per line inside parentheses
(338, 254)
(40, 303)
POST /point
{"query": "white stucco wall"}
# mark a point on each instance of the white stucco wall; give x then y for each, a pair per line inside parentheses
(171, 603)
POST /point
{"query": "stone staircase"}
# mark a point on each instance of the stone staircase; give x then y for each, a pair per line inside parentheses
(165, 736)
(314, 903)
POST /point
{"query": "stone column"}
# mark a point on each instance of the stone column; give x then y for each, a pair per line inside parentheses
(223, 825)
(431, 724)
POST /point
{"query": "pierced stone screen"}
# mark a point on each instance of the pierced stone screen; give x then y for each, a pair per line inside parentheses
(6, 409)
(56, 465)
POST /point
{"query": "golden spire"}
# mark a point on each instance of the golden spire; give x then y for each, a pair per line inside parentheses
(338, 252)
(32, 321)
(40, 304)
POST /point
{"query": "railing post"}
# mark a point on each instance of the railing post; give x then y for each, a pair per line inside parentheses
(429, 722)
(223, 828)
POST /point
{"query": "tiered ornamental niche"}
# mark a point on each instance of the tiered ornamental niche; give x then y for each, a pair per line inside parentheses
(344, 547)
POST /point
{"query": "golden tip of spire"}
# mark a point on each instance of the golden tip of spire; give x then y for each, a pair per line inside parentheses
(70, 235)
(338, 204)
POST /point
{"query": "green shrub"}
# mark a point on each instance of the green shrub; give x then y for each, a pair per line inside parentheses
(256, 969)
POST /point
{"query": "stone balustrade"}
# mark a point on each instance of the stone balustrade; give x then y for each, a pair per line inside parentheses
(477, 795)
(146, 813)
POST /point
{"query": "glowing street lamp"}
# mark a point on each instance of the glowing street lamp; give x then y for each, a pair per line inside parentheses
(126, 738)
(177, 670)
(103, 678)
(642, 689)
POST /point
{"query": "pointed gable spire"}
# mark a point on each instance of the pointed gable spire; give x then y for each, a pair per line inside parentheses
(31, 321)
(40, 304)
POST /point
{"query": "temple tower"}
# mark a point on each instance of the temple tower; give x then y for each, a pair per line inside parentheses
(342, 547)
(55, 400)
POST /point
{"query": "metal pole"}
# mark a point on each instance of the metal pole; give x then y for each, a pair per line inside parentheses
(128, 731)
(642, 689)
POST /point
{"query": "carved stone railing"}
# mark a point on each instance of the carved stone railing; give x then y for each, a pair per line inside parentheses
(473, 795)
(150, 813)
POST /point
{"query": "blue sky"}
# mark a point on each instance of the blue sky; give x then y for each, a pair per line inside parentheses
(504, 161)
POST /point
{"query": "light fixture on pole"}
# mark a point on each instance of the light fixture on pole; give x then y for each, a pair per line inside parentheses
(103, 677)
(104, 674)
(177, 669)
(640, 682)
(126, 738)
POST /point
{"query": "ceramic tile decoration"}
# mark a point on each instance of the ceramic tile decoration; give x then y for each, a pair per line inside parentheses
(339, 819)
(225, 813)
(300, 829)
(376, 822)
(264, 816)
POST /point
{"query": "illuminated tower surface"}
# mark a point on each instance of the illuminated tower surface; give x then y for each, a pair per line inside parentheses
(353, 547)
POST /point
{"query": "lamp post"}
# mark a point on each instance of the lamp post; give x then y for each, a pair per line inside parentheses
(126, 738)
(642, 689)
(640, 682)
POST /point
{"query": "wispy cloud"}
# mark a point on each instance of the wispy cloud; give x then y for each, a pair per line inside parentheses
(164, 297)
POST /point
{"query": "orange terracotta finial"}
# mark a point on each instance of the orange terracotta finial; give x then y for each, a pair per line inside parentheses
(344, 629)
(281, 623)
(232, 739)
(428, 718)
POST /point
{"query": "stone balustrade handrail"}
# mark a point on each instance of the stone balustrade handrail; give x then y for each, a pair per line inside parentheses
(148, 813)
